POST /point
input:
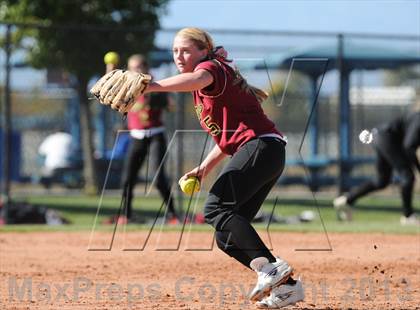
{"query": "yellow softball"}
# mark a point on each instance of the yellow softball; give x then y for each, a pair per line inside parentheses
(190, 185)
(111, 58)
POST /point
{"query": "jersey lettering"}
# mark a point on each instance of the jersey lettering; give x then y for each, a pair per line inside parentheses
(213, 128)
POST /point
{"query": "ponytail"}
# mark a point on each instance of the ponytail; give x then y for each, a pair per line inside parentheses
(260, 94)
(219, 53)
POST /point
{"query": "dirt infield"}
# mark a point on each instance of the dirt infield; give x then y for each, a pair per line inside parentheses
(56, 271)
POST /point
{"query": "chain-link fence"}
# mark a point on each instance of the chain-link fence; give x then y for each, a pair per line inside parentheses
(44, 101)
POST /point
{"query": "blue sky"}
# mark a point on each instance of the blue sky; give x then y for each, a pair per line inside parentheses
(382, 16)
(357, 16)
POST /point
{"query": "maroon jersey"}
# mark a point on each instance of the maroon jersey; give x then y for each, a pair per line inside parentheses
(147, 111)
(231, 115)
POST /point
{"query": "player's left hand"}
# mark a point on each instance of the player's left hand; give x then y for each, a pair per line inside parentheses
(120, 88)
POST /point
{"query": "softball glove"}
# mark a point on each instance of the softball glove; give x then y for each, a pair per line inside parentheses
(120, 88)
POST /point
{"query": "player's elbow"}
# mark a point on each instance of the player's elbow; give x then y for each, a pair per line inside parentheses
(202, 79)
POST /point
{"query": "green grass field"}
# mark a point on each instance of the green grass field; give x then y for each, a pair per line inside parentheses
(372, 214)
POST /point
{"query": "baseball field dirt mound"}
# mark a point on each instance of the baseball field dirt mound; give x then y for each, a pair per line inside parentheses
(74, 271)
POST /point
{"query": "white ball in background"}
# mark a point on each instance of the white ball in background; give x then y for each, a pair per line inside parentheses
(307, 216)
(365, 136)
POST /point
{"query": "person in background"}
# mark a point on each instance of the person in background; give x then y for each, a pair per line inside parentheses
(147, 133)
(395, 144)
(56, 151)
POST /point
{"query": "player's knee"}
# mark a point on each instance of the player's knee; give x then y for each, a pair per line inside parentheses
(210, 213)
(211, 209)
(214, 215)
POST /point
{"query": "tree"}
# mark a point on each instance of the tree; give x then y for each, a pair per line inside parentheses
(74, 35)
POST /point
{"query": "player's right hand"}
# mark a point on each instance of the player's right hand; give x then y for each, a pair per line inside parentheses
(198, 172)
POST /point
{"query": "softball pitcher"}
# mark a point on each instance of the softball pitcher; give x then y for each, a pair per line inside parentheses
(229, 110)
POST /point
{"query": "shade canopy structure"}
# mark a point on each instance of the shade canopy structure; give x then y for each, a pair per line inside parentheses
(353, 56)
(345, 57)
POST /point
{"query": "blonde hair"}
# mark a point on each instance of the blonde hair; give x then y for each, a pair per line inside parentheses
(203, 41)
(200, 38)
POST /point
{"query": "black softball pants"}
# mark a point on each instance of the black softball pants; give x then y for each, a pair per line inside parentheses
(238, 194)
(137, 153)
(390, 156)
